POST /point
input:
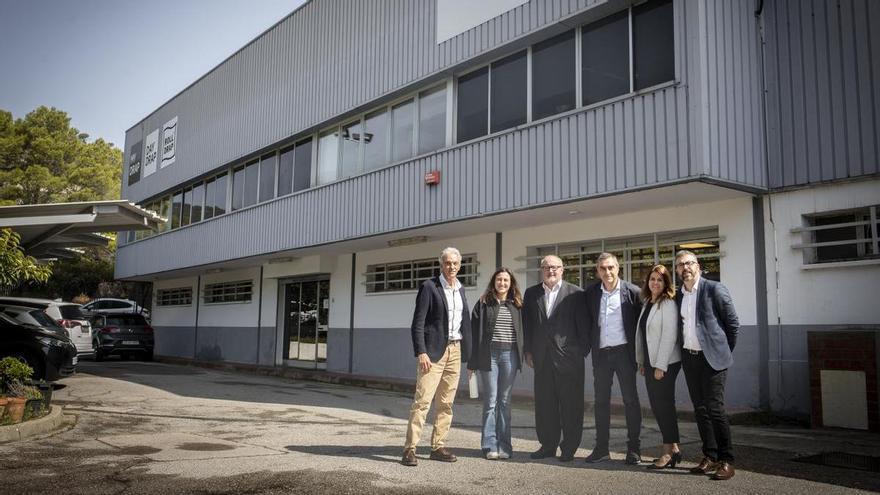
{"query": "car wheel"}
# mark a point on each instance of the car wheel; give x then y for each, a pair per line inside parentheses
(99, 354)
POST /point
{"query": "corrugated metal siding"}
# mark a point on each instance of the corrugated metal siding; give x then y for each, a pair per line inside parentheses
(328, 58)
(630, 143)
(823, 89)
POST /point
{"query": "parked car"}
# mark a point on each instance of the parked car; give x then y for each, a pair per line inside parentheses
(51, 354)
(109, 305)
(68, 315)
(124, 335)
(32, 316)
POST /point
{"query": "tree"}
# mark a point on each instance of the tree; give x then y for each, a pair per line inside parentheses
(15, 266)
(45, 160)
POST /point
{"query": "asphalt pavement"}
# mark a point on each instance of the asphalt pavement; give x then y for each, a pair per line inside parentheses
(165, 428)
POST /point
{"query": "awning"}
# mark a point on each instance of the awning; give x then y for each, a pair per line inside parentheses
(49, 230)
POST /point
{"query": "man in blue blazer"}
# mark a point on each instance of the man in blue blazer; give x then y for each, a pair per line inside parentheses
(707, 333)
(441, 331)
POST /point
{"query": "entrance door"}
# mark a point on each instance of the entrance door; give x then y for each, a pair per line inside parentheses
(307, 313)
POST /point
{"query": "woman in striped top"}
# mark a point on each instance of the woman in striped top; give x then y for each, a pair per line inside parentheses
(496, 351)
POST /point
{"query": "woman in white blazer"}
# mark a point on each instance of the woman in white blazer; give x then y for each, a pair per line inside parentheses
(657, 332)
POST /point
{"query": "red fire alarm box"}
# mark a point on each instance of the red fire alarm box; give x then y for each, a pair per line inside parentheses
(432, 178)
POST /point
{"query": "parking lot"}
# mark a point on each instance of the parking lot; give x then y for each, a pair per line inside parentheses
(153, 427)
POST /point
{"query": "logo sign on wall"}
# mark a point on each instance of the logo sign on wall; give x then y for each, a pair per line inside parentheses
(169, 142)
(134, 163)
(151, 153)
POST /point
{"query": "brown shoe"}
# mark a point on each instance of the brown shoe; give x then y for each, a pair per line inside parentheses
(409, 458)
(444, 455)
(725, 471)
(705, 466)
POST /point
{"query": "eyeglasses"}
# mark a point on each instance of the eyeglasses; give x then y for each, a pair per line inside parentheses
(688, 263)
(549, 268)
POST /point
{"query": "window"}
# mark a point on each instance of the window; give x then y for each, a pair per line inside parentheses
(636, 254)
(509, 94)
(432, 119)
(179, 296)
(176, 206)
(187, 207)
(351, 149)
(375, 140)
(285, 171)
(553, 76)
(402, 131)
(328, 156)
(473, 105)
(210, 192)
(302, 174)
(220, 195)
(229, 292)
(198, 199)
(848, 235)
(165, 212)
(653, 44)
(267, 177)
(238, 189)
(408, 275)
(251, 181)
(605, 58)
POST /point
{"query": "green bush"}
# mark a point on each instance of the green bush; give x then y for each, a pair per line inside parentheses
(13, 370)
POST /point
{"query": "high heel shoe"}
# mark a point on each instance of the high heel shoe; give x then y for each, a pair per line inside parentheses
(674, 459)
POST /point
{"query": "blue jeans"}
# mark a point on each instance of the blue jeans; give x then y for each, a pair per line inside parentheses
(497, 385)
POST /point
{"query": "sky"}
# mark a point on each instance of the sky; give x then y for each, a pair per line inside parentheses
(109, 63)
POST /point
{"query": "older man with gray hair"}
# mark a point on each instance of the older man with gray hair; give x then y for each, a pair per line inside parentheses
(441, 331)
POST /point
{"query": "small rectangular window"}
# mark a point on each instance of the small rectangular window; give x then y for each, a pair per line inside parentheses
(220, 195)
(179, 296)
(251, 178)
(302, 174)
(328, 156)
(402, 124)
(509, 93)
(553, 76)
(210, 192)
(432, 119)
(238, 189)
(408, 275)
(473, 105)
(849, 235)
(267, 177)
(605, 58)
(285, 171)
(375, 139)
(229, 292)
(653, 43)
(198, 198)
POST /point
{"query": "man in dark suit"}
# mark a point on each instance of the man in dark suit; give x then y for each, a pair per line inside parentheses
(707, 332)
(441, 331)
(555, 350)
(612, 308)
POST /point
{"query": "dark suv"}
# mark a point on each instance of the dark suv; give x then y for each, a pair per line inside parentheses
(122, 334)
(49, 352)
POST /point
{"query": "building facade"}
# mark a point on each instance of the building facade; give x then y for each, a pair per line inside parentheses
(312, 178)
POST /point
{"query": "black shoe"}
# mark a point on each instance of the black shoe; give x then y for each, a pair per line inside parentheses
(597, 456)
(671, 461)
(565, 457)
(542, 453)
(633, 458)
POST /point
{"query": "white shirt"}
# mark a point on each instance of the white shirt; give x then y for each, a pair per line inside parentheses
(689, 317)
(454, 306)
(550, 295)
(611, 318)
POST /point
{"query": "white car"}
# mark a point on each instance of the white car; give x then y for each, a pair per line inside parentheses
(68, 315)
(111, 306)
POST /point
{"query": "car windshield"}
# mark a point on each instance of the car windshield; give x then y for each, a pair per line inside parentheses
(125, 320)
(71, 312)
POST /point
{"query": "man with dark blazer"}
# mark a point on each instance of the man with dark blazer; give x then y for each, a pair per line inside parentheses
(555, 350)
(612, 308)
(707, 333)
(441, 332)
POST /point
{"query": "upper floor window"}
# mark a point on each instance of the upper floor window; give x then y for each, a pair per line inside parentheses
(847, 235)
(553, 76)
(493, 98)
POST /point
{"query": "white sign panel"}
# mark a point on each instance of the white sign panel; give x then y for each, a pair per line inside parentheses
(151, 153)
(169, 142)
(457, 16)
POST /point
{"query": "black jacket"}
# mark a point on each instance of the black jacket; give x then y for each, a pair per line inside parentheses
(482, 329)
(555, 339)
(430, 325)
(630, 307)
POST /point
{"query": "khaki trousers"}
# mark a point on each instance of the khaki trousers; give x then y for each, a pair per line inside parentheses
(438, 384)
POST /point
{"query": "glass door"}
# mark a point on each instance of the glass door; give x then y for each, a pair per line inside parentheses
(307, 313)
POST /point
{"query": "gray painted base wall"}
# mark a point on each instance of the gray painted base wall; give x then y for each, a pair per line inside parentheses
(232, 344)
(174, 341)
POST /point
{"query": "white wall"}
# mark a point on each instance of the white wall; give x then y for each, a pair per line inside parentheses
(230, 314)
(394, 310)
(174, 316)
(830, 295)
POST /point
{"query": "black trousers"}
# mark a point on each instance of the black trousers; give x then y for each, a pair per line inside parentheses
(608, 362)
(559, 406)
(706, 387)
(661, 394)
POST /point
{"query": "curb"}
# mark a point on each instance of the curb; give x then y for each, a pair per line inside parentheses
(49, 423)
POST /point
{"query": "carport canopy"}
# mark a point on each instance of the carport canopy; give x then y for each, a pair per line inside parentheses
(50, 230)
